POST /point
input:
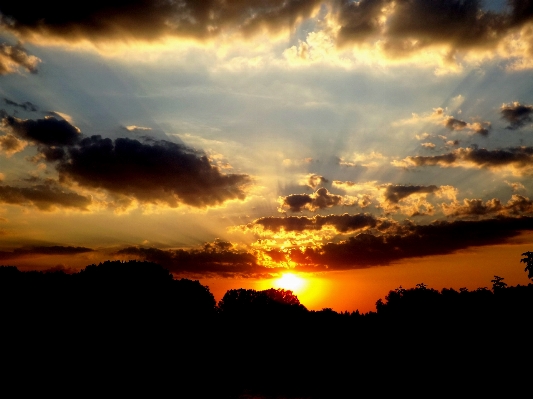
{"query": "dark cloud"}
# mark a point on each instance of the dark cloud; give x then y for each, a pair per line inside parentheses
(12, 58)
(517, 205)
(359, 20)
(26, 106)
(438, 238)
(520, 158)
(149, 20)
(395, 193)
(42, 250)
(321, 199)
(431, 160)
(151, 171)
(412, 25)
(210, 260)
(473, 207)
(46, 197)
(518, 115)
(364, 250)
(481, 128)
(154, 171)
(342, 223)
(400, 26)
(48, 131)
(454, 124)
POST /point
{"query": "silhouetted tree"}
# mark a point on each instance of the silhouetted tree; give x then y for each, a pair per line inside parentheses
(497, 283)
(250, 302)
(528, 260)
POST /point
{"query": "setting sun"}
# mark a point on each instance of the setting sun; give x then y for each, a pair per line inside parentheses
(291, 282)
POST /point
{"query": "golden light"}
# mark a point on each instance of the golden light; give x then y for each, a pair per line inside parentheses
(291, 282)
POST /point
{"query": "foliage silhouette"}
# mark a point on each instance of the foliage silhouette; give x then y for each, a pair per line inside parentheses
(528, 260)
(498, 283)
(137, 324)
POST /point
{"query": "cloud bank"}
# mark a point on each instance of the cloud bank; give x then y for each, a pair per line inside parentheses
(151, 171)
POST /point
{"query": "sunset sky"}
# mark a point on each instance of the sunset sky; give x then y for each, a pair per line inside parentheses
(360, 145)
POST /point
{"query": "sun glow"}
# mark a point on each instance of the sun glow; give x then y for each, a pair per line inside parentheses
(291, 282)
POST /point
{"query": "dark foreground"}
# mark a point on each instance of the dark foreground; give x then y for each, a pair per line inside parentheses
(130, 328)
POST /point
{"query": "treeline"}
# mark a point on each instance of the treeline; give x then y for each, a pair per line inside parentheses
(131, 323)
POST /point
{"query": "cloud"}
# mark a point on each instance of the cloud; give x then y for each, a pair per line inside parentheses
(366, 249)
(481, 128)
(26, 106)
(320, 199)
(518, 159)
(422, 136)
(42, 250)
(517, 205)
(62, 115)
(363, 159)
(428, 145)
(438, 238)
(439, 116)
(412, 200)
(150, 20)
(363, 250)
(134, 128)
(395, 193)
(518, 115)
(46, 197)
(315, 180)
(408, 26)
(454, 124)
(48, 131)
(13, 58)
(151, 172)
(212, 259)
(397, 29)
(341, 223)
(11, 145)
(516, 186)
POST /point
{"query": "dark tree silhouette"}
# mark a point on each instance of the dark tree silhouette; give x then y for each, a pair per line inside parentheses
(528, 260)
(497, 283)
(251, 302)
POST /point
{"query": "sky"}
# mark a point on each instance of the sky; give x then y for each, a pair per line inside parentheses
(336, 148)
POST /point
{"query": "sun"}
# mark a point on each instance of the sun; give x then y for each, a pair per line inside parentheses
(290, 281)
